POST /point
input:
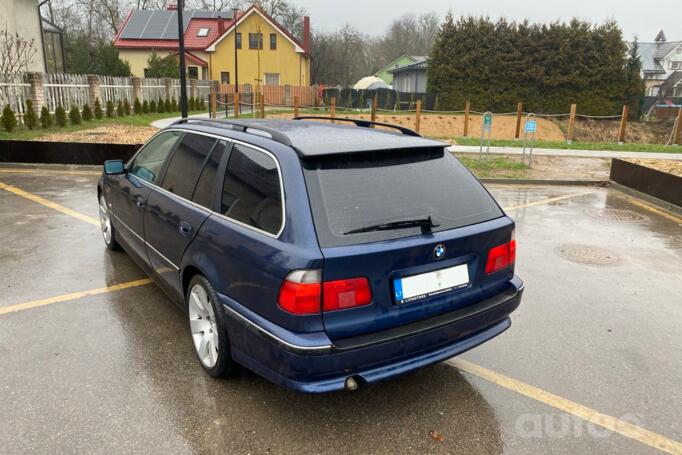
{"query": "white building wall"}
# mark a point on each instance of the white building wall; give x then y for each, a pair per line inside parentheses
(21, 16)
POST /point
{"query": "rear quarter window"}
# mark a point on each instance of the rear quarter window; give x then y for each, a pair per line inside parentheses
(353, 191)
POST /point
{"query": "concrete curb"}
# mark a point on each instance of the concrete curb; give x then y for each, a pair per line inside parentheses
(651, 199)
(507, 181)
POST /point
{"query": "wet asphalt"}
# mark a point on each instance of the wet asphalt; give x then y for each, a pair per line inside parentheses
(116, 372)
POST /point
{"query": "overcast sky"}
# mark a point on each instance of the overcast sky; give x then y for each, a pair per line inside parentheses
(641, 18)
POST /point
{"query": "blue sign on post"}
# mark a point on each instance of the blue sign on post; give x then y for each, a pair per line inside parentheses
(531, 126)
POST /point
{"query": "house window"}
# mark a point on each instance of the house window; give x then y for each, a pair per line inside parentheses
(255, 41)
(675, 65)
(225, 77)
(271, 78)
(202, 32)
(193, 72)
(273, 41)
(239, 40)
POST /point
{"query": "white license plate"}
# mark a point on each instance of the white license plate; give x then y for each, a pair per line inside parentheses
(417, 287)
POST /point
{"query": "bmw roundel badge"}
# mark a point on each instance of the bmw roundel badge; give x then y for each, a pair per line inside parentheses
(439, 251)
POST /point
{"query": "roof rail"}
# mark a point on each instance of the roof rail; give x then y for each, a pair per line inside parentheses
(362, 123)
(243, 127)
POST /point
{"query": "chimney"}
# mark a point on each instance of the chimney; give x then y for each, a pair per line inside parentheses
(306, 33)
(221, 27)
(172, 6)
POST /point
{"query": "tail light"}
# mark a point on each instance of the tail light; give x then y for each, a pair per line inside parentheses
(303, 292)
(501, 257)
(342, 294)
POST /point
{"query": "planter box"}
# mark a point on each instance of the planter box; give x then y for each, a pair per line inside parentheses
(64, 152)
(661, 185)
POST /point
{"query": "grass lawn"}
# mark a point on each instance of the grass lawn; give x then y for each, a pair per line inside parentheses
(627, 147)
(24, 134)
(494, 166)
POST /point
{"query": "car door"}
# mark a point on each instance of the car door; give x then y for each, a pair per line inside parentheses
(127, 193)
(174, 212)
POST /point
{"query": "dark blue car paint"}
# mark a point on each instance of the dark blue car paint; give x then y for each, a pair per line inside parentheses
(247, 267)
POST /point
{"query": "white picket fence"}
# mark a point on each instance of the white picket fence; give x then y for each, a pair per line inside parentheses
(68, 90)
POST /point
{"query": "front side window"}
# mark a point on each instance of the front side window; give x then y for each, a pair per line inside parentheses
(255, 41)
(149, 161)
(186, 163)
(203, 193)
(224, 77)
(273, 41)
(238, 40)
(193, 72)
(251, 191)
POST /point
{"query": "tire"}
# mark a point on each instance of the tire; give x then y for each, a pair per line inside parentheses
(107, 227)
(208, 328)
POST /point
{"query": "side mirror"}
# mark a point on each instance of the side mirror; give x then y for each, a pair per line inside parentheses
(114, 167)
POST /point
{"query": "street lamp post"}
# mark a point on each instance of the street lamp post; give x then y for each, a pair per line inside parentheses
(181, 54)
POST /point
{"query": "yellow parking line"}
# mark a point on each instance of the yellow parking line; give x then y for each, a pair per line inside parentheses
(46, 203)
(547, 201)
(73, 296)
(661, 212)
(5, 170)
(611, 423)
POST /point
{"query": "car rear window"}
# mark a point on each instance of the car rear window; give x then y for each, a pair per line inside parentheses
(354, 191)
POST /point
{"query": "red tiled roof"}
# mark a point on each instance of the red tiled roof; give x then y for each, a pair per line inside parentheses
(193, 58)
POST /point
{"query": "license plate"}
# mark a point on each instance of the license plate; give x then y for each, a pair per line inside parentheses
(418, 287)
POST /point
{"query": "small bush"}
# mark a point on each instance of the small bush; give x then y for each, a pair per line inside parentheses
(126, 107)
(9, 120)
(160, 107)
(167, 106)
(201, 104)
(145, 107)
(87, 113)
(191, 105)
(110, 109)
(174, 105)
(120, 112)
(75, 115)
(30, 117)
(60, 116)
(46, 119)
(137, 107)
(152, 106)
(98, 109)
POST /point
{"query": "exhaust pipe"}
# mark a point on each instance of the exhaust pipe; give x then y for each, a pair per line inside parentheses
(351, 384)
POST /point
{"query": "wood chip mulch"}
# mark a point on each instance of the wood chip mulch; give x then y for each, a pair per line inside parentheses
(112, 134)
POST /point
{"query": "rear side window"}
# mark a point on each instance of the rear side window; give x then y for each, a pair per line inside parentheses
(149, 161)
(251, 191)
(203, 193)
(355, 192)
(186, 163)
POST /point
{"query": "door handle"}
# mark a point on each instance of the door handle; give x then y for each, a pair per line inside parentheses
(185, 228)
(139, 202)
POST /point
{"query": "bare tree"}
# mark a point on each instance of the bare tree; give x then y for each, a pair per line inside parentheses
(16, 53)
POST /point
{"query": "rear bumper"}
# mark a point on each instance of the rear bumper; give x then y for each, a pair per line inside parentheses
(313, 363)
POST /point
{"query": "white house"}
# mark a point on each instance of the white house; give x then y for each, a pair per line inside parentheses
(662, 66)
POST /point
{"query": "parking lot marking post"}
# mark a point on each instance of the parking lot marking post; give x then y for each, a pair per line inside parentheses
(296, 102)
(236, 103)
(519, 117)
(418, 116)
(373, 112)
(571, 124)
(467, 108)
(486, 127)
(332, 105)
(623, 124)
(531, 127)
(571, 407)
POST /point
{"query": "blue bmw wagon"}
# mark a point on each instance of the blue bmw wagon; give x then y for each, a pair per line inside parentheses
(322, 256)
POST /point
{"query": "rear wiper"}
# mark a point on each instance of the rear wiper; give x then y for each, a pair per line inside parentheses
(425, 223)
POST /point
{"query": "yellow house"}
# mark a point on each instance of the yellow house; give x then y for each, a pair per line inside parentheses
(266, 53)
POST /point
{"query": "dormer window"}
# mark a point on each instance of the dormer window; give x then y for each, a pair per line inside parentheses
(203, 31)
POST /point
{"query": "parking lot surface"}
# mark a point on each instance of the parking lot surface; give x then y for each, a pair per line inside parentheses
(95, 358)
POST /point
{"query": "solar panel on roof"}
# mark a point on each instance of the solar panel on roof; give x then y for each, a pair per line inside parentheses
(147, 24)
(136, 24)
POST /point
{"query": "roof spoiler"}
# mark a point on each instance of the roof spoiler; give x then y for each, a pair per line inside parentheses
(362, 123)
